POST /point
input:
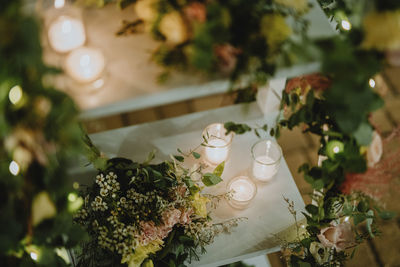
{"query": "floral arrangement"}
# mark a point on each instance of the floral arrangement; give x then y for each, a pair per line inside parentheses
(233, 38)
(349, 183)
(145, 215)
(39, 132)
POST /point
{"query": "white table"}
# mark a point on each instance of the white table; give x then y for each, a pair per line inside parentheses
(130, 76)
(267, 215)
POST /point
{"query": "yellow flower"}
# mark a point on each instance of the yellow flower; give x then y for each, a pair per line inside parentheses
(146, 10)
(141, 253)
(173, 28)
(199, 204)
(42, 208)
(275, 30)
(382, 30)
(300, 6)
(148, 263)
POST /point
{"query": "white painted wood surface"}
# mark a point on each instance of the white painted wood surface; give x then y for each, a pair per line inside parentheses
(267, 214)
(130, 78)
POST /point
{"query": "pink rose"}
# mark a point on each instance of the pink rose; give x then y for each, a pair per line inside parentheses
(171, 217)
(163, 231)
(196, 11)
(185, 216)
(338, 236)
(227, 56)
(149, 232)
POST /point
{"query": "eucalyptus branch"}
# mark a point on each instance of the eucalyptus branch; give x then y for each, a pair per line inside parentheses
(242, 128)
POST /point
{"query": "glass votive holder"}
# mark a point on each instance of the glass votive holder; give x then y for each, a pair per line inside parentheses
(243, 191)
(267, 156)
(217, 144)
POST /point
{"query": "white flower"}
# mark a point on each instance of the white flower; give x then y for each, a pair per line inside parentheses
(103, 192)
(375, 150)
(319, 252)
(99, 179)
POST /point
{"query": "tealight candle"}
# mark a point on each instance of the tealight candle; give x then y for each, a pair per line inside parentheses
(217, 143)
(266, 160)
(85, 64)
(66, 33)
(243, 191)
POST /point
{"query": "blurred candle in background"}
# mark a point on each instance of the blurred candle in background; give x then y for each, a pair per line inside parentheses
(66, 33)
(85, 64)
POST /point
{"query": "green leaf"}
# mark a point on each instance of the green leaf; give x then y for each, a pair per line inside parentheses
(306, 242)
(318, 184)
(353, 253)
(386, 215)
(362, 206)
(179, 158)
(210, 179)
(236, 128)
(363, 134)
(370, 220)
(100, 163)
(180, 249)
(359, 218)
(313, 210)
(185, 239)
(272, 132)
(219, 169)
(196, 155)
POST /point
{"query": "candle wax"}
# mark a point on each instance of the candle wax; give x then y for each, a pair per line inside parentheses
(66, 34)
(243, 190)
(263, 168)
(219, 153)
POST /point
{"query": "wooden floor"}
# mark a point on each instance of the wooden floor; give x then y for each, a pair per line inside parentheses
(298, 148)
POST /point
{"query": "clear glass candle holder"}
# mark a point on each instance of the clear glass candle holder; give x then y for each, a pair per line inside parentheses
(243, 191)
(267, 156)
(217, 144)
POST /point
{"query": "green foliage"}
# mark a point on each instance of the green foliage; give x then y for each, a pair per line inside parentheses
(210, 179)
(39, 132)
(352, 68)
(238, 128)
(142, 193)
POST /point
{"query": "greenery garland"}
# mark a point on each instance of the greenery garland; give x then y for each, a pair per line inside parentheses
(39, 132)
(335, 106)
